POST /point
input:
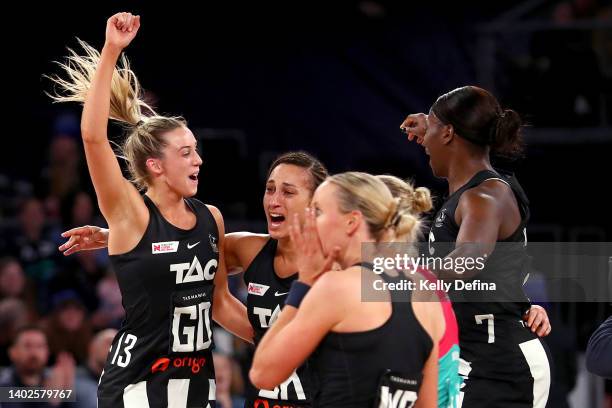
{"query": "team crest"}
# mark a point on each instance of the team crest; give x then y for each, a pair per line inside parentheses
(213, 243)
(440, 218)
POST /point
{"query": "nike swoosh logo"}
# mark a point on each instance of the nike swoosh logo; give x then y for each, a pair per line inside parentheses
(189, 246)
(280, 294)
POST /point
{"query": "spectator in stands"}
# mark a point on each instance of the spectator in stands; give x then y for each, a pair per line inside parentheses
(29, 355)
(12, 279)
(110, 311)
(67, 327)
(34, 248)
(13, 315)
(14, 284)
(599, 350)
(87, 376)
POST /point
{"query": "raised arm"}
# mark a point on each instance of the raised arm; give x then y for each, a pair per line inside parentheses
(113, 191)
(415, 126)
(107, 92)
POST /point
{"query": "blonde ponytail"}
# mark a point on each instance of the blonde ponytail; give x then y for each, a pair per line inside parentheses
(388, 218)
(145, 127)
(126, 104)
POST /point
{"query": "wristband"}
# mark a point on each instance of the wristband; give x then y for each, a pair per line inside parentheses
(296, 293)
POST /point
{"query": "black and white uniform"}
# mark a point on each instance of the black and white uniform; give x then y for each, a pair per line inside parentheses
(503, 363)
(161, 356)
(382, 367)
(266, 296)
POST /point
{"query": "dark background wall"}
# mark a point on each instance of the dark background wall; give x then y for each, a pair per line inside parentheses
(336, 79)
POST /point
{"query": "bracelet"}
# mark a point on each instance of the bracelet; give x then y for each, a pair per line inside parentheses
(296, 294)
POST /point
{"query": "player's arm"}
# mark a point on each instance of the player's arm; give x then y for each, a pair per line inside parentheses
(85, 238)
(241, 248)
(415, 126)
(118, 199)
(89, 81)
(296, 333)
(599, 350)
(228, 311)
(431, 317)
(537, 320)
(479, 218)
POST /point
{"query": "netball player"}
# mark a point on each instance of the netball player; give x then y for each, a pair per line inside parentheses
(269, 266)
(166, 248)
(503, 362)
(268, 262)
(448, 357)
(361, 351)
(448, 347)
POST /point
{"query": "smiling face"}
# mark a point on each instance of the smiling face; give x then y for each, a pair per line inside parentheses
(288, 192)
(180, 163)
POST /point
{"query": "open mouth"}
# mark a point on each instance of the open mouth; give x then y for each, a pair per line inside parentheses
(276, 218)
(193, 177)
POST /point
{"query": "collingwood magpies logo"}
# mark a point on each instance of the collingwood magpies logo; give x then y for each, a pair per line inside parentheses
(440, 218)
(213, 243)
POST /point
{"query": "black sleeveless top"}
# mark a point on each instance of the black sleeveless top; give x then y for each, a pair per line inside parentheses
(359, 369)
(506, 266)
(166, 284)
(266, 296)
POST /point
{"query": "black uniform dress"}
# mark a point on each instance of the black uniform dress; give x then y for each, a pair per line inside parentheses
(161, 356)
(266, 296)
(503, 363)
(382, 367)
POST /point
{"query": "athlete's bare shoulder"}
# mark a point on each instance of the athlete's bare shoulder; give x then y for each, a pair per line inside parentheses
(487, 190)
(241, 248)
(482, 201)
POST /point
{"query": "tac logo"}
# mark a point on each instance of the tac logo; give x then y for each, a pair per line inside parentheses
(164, 247)
(264, 313)
(257, 289)
(193, 272)
(194, 363)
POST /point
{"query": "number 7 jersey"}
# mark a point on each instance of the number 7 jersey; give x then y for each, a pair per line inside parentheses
(161, 356)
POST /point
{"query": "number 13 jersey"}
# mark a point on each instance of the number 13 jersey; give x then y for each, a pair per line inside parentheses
(161, 356)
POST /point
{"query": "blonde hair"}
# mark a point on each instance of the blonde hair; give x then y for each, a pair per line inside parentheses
(417, 200)
(145, 128)
(388, 218)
